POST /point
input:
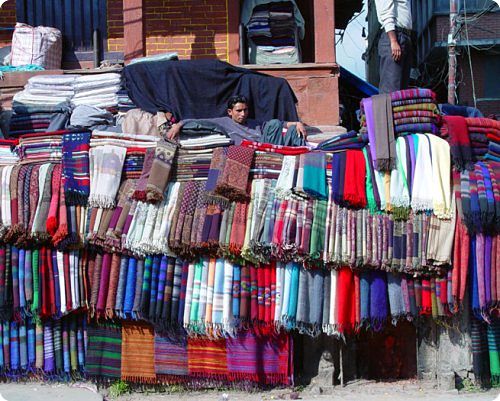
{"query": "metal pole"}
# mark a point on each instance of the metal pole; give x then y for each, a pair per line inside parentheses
(452, 55)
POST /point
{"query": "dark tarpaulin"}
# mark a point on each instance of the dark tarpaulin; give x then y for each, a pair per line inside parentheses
(201, 89)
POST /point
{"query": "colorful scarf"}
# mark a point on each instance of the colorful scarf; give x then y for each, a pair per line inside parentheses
(378, 110)
(75, 168)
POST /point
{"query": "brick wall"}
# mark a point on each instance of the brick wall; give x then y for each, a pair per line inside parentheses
(7, 20)
(193, 28)
(115, 25)
(486, 27)
(465, 89)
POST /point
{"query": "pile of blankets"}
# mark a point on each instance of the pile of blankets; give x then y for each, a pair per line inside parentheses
(415, 111)
(44, 92)
(98, 90)
(471, 139)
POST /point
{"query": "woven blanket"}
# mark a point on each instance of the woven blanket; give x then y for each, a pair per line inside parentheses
(138, 363)
(104, 352)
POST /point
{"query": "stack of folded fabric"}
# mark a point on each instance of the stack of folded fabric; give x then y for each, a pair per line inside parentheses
(192, 164)
(339, 143)
(29, 123)
(128, 141)
(7, 155)
(43, 101)
(210, 141)
(266, 165)
(44, 90)
(99, 90)
(415, 112)
(124, 102)
(272, 32)
(40, 147)
(484, 136)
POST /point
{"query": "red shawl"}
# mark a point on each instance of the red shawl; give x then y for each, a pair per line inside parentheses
(346, 304)
(354, 179)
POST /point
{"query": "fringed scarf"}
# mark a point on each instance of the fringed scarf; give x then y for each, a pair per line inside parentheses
(441, 176)
(421, 197)
(104, 351)
(106, 169)
(140, 189)
(137, 353)
(160, 170)
(379, 121)
(400, 196)
(454, 129)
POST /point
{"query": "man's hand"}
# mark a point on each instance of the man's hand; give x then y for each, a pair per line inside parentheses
(395, 47)
(301, 130)
(173, 133)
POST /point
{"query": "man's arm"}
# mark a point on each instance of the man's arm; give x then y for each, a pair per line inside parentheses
(174, 131)
(301, 129)
(387, 17)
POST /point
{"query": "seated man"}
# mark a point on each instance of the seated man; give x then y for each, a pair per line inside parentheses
(239, 127)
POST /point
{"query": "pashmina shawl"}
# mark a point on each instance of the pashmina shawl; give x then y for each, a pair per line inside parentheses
(421, 197)
(106, 169)
(378, 110)
(232, 182)
(160, 170)
(454, 129)
(354, 190)
(441, 175)
(140, 189)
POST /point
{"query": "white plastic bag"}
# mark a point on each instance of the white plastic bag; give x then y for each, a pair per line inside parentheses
(39, 45)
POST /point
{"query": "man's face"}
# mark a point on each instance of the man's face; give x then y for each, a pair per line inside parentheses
(239, 113)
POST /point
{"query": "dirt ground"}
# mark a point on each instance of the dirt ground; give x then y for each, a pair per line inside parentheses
(357, 391)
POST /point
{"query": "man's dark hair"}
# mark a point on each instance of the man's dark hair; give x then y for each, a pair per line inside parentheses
(236, 99)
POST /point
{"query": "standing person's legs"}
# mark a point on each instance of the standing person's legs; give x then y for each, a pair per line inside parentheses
(394, 75)
(406, 58)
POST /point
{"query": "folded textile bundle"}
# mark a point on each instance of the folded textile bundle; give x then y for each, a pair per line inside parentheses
(485, 138)
(266, 165)
(40, 147)
(98, 90)
(267, 147)
(192, 164)
(349, 140)
(47, 90)
(7, 154)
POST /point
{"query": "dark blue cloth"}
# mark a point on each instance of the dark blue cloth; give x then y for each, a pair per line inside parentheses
(201, 89)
